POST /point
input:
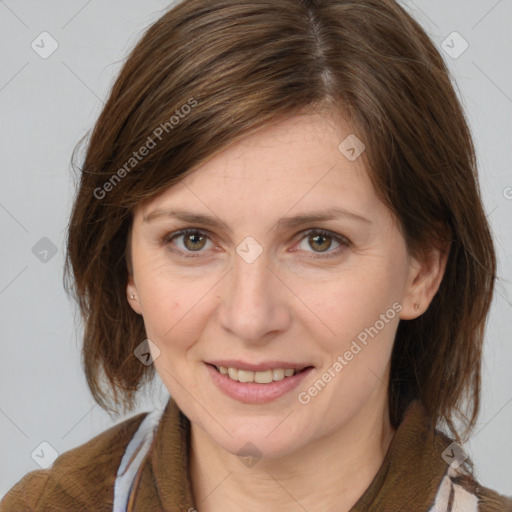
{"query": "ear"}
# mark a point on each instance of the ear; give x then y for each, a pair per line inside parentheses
(131, 294)
(425, 276)
(131, 289)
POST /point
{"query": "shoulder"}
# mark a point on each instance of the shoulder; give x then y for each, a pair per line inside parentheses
(462, 491)
(491, 501)
(79, 479)
(459, 487)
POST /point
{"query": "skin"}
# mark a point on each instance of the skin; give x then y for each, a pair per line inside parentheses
(283, 306)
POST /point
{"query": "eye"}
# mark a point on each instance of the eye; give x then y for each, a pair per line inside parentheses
(322, 240)
(193, 240)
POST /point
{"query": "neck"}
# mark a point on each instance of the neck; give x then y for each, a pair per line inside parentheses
(330, 473)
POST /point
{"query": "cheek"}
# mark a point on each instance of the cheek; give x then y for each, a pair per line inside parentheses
(344, 305)
(353, 322)
(174, 307)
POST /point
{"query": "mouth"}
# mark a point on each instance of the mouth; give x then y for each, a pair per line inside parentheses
(259, 377)
(257, 383)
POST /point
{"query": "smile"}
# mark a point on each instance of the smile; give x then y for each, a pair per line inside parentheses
(256, 386)
(262, 377)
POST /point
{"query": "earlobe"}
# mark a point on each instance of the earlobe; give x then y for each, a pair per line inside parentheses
(132, 296)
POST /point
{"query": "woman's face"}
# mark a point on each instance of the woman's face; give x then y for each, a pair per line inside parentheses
(255, 287)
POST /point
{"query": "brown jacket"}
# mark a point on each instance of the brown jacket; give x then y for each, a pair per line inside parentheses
(413, 475)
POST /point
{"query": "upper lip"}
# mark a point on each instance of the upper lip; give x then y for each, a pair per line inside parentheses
(259, 367)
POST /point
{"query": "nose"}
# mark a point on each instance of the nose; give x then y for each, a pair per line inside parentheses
(256, 302)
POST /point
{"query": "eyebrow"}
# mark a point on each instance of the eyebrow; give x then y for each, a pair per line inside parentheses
(285, 222)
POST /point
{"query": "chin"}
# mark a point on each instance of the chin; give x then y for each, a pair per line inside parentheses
(258, 436)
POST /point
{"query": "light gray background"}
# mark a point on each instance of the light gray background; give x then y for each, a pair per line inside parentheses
(48, 104)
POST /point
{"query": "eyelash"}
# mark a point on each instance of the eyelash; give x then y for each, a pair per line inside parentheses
(344, 243)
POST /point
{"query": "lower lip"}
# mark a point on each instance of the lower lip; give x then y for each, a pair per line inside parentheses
(253, 392)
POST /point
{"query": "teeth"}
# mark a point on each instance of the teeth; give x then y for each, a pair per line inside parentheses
(278, 374)
(264, 377)
(245, 376)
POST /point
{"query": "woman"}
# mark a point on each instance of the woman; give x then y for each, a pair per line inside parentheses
(279, 213)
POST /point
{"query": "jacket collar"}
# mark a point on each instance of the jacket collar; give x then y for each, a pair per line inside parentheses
(408, 479)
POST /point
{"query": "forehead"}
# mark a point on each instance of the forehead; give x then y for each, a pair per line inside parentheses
(293, 164)
(289, 149)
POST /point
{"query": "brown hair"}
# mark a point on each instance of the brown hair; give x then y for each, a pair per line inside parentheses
(207, 74)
